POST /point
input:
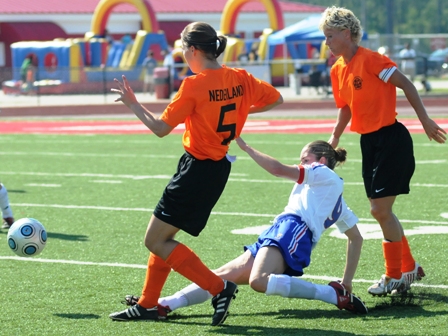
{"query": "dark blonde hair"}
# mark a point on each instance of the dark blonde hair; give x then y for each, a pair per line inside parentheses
(342, 18)
(321, 148)
(204, 38)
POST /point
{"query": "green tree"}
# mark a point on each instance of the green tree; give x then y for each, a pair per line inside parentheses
(408, 16)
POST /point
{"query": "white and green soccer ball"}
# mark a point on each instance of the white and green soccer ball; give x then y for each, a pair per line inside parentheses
(27, 237)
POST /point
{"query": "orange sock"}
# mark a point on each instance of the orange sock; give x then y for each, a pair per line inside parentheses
(184, 261)
(156, 275)
(392, 252)
(408, 262)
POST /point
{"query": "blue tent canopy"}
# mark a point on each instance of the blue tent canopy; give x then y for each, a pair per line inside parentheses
(296, 31)
(306, 30)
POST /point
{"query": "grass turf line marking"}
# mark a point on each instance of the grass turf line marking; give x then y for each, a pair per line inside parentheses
(90, 263)
(220, 213)
(167, 177)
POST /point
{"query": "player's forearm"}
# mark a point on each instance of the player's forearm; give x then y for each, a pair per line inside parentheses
(344, 116)
(266, 162)
(157, 126)
(353, 254)
(414, 99)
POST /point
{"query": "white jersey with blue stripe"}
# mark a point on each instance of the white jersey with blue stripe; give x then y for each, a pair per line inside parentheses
(317, 199)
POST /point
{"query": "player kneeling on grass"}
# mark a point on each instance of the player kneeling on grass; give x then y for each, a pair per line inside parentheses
(283, 250)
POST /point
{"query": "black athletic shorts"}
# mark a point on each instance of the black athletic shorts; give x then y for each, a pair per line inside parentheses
(192, 192)
(387, 161)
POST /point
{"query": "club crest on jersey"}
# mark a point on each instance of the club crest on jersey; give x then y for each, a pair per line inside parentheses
(357, 83)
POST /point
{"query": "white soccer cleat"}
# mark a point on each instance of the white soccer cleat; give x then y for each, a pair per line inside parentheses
(386, 285)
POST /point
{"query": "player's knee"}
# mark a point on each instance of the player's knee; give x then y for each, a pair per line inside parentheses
(378, 213)
(155, 246)
(258, 283)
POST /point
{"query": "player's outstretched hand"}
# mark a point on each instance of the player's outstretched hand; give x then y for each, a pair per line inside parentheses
(434, 131)
(125, 91)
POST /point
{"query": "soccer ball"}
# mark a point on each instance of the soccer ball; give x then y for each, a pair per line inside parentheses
(27, 237)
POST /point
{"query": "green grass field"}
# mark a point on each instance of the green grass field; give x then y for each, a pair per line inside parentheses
(95, 194)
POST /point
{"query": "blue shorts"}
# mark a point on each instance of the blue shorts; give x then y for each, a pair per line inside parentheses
(292, 237)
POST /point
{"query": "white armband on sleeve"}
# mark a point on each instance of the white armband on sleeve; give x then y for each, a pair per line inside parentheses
(386, 73)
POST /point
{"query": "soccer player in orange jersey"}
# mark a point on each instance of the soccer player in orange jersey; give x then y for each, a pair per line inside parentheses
(214, 105)
(364, 86)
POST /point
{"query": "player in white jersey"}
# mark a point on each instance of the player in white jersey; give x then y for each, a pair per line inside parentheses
(284, 249)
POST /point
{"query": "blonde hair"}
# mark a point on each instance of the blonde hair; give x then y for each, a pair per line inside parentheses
(342, 18)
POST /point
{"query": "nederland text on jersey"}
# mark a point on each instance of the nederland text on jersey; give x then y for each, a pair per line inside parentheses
(226, 94)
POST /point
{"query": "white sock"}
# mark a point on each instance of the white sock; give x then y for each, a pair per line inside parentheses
(290, 287)
(278, 284)
(175, 301)
(4, 203)
(326, 293)
(190, 295)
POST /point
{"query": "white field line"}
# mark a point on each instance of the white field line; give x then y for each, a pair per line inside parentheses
(164, 156)
(167, 177)
(90, 263)
(217, 213)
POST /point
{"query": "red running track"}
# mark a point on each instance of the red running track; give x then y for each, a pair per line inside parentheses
(136, 127)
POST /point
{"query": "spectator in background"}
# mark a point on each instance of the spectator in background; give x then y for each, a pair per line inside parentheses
(315, 76)
(108, 37)
(168, 62)
(330, 59)
(243, 58)
(424, 81)
(27, 73)
(407, 56)
(27, 62)
(149, 64)
(126, 39)
(298, 66)
(253, 56)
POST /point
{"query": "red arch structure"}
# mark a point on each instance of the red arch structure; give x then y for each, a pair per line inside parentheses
(233, 7)
(105, 7)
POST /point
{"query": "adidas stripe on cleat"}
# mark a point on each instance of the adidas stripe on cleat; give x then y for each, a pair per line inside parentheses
(222, 301)
(348, 301)
(415, 275)
(131, 300)
(137, 313)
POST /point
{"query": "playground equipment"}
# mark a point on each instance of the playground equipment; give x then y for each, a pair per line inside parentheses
(62, 65)
(236, 45)
(275, 47)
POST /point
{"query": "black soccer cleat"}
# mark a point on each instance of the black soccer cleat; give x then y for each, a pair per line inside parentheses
(222, 301)
(137, 313)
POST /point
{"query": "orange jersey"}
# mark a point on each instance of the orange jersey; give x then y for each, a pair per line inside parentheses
(362, 84)
(214, 105)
